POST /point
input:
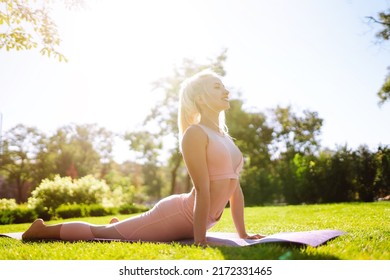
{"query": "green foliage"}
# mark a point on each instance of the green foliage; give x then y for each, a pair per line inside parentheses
(384, 92)
(97, 210)
(43, 212)
(52, 193)
(384, 21)
(275, 146)
(79, 150)
(24, 214)
(294, 133)
(66, 211)
(123, 191)
(6, 217)
(11, 213)
(27, 25)
(131, 209)
(8, 204)
(29, 156)
(382, 181)
(337, 176)
(89, 190)
(20, 154)
(383, 35)
(83, 210)
(64, 191)
(337, 173)
(259, 186)
(253, 135)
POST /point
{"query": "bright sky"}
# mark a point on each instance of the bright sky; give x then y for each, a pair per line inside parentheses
(318, 55)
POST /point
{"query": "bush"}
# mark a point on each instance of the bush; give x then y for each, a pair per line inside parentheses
(18, 215)
(43, 212)
(8, 204)
(6, 217)
(50, 194)
(89, 190)
(131, 209)
(22, 214)
(97, 210)
(67, 211)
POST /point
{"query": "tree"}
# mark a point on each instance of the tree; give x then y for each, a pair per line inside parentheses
(253, 137)
(79, 150)
(383, 173)
(22, 146)
(366, 173)
(295, 141)
(383, 35)
(384, 92)
(25, 25)
(294, 133)
(338, 184)
(147, 145)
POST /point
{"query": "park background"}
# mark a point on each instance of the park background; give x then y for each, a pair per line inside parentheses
(93, 119)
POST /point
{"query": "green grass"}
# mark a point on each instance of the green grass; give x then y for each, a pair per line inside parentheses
(367, 226)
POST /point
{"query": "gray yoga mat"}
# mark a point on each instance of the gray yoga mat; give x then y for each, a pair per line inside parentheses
(312, 238)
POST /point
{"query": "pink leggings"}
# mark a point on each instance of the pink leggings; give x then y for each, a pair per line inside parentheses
(170, 219)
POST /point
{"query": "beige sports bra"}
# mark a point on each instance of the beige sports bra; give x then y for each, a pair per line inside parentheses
(224, 159)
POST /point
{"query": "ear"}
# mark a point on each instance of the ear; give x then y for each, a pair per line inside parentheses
(199, 100)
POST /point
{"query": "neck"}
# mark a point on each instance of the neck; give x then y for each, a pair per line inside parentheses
(211, 122)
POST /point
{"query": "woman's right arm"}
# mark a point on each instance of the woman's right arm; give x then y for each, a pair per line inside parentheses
(194, 154)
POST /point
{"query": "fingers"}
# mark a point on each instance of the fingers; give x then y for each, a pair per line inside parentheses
(255, 236)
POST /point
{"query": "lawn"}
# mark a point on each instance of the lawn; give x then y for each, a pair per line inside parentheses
(366, 224)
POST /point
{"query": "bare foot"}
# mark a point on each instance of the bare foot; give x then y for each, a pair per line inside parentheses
(33, 232)
(114, 220)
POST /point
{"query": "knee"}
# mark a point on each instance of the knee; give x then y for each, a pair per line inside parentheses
(106, 232)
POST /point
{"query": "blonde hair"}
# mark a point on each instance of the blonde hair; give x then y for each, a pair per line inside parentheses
(189, 111)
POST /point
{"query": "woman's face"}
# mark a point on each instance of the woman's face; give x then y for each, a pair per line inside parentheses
(216, 96)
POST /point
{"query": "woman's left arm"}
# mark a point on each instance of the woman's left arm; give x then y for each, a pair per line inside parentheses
(237, 210)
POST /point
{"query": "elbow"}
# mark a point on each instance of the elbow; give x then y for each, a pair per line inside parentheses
(202, 188)
(202, 193)
(202, 197)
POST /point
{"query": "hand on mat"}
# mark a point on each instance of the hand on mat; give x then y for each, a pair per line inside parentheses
(253, 236)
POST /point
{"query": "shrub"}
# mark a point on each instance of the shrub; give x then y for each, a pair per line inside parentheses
(6, 217)
(8, 204)
(12, 213)
(43, 212)
(50, 194)
(18, 215)
(67, 211)
(96, 210)
(89, 190)
(131, 209)
(23, 214)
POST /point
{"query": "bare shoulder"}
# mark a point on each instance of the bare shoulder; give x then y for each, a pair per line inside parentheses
(194, 135)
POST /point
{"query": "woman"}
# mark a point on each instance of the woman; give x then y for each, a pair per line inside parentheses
(213, 162)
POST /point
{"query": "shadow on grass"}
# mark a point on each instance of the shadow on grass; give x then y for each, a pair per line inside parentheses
(271, 252)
